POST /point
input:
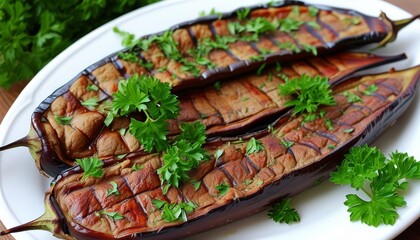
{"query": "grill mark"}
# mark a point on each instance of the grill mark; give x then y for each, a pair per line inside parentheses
(255, 167)
(327, 135)
(310, 145)
(192, 36)
(232, 181)
(389, 87)
(217, 110)
(315, 34)
(254, 46)
(213, 32)
(324, 64)
(261, 97)
(139, 205)
(323, 24)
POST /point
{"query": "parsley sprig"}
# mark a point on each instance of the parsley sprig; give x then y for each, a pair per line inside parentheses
(172, 212)
(283, 212)
(185, 154)
(381, 179)
(151, 97)
(92, 166)
(311, 93)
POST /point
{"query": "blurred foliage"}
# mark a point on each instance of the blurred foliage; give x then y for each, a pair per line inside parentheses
(35, 31)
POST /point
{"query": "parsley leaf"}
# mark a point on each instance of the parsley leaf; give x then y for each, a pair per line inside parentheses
(289, 25)
(91, 102)
(113, 190)
(352, 97)
(283, 212)
(311, 92)
(218, 154)
(185, 154)
(254, 146)
(313, 11)
(367, 169)
(137, 167)
(128, 39)
(92, 166)
(242, 14)
(63, 120)
(173, 212)
(370, 90)
(223, 188)
(113, 215)
(153, 98)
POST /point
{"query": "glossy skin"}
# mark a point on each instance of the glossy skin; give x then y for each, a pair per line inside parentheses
(256, 180)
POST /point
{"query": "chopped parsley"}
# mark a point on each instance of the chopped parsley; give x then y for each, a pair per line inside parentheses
(381, 180)
(254, 146)
(283, 212)
(92, 166)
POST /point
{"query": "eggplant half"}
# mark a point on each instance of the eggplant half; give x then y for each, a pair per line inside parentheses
(236, 106)
(83, 208)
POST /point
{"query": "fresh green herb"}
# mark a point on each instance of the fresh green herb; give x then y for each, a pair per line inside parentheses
(172, 212)
(310, 48)
(92, 166)
(296, 10)
(309, 117)
(366, 168)
(289, 46)
(190, 67)
(210, 13)
(137, 167)
(348, 130)
(254, 146)
(153, 98)
(352, 97)
(113, 215)
(283, 212)
(278, 67)
(330, 146)
(289, 25)
(352, 20)
(370, 90)
(123, 131)
(314, 25)
(203, 116)
(63, 120)
(196, 184)
(329, 123)
(92, 87)
(91, 102)
(34, 32)
(287, 144)
(127, 39)
(244, 99)
(114, 189)
(260, 69)
(242, 14)
(217, 86)
(168, 45)
(259, 26)
(223, 188)
(257, 58)
(162, 69)
(185, 154)
(313, 11)
(121, 156)
(247, 182)
(311, 92)
(218, 154)
(129, 56)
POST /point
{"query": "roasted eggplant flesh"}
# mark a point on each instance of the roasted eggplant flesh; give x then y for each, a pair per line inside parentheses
(254, 180)
(234, 107)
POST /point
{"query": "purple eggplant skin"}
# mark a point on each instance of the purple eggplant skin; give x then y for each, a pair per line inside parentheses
(380, 29)
(287, 185)
(293, 183)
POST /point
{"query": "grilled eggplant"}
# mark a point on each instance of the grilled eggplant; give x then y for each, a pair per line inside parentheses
(82, 208)
(196, 53)
(239, 104)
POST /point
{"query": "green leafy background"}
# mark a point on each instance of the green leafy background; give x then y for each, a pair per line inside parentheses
(35, 31)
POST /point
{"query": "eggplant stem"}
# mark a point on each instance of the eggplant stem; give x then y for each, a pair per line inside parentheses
(395, 26)
(23, 142)
(49, 221)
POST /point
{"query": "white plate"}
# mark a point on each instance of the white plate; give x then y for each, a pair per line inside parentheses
(322, 212)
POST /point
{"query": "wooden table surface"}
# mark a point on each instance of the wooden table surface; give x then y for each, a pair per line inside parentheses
(7, 97)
